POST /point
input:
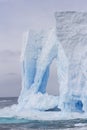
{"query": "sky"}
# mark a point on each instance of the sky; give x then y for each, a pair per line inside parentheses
(17, 17)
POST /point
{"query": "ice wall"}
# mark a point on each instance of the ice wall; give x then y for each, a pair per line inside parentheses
(71, 30)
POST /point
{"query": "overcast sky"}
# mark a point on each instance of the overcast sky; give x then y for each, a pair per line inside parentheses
(16, 17)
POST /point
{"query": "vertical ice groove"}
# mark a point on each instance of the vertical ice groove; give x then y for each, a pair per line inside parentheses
(62, 72)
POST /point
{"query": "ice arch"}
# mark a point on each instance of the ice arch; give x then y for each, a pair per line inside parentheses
(40, 50)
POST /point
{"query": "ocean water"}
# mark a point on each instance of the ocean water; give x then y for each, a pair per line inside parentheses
(24, 124)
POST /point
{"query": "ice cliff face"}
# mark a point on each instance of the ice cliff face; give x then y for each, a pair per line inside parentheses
(72, 33)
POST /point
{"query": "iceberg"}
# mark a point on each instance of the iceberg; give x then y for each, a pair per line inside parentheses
(67, 44)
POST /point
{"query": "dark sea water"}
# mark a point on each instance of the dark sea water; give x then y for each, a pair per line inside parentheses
(24, 124)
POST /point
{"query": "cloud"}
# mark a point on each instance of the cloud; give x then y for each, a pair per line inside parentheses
(9, 65)
(4, 1)
(12, 74)
(10, 87)
(8, 55)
